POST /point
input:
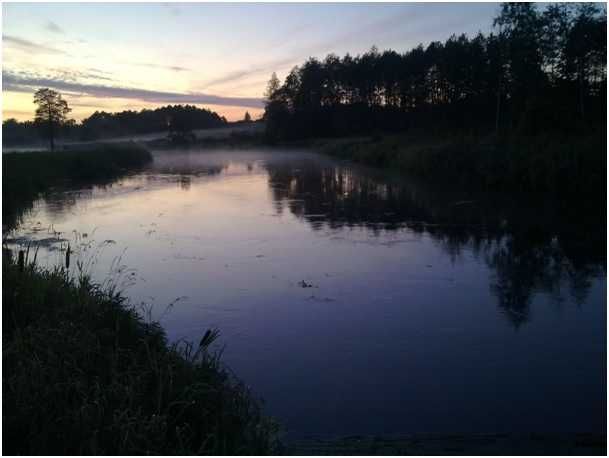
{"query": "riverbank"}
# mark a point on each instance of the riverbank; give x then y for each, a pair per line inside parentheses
(564, 166)
(84, 374)
(390, 217)
(26, 175)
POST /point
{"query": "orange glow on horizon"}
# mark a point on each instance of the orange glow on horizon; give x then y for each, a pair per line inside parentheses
(22, 107)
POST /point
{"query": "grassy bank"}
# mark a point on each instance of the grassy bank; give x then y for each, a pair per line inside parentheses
(559, 165)
(83, 374)
(27, 175)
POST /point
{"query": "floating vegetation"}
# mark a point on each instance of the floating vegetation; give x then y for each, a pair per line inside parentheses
(304, 284)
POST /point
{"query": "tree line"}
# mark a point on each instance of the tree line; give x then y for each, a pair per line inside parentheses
(51, 122)
(536, 71)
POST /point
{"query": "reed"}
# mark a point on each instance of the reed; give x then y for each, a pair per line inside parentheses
(83, 373)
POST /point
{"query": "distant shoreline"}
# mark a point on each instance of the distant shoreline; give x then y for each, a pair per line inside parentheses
(150, 139)
(566, 167)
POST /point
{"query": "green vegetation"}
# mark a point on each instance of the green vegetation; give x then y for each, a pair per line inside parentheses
(84, 374)
(26, 175)
(550, 164)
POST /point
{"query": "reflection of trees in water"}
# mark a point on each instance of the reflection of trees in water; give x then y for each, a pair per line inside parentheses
(521, 268)
(519, 271)
(60, 203)
(340, 197)
(528, 249)
(184, 181)
(185, 171)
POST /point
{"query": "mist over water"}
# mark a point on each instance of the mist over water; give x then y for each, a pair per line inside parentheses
(351, 300)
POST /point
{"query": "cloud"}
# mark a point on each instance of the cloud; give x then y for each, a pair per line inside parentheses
(268, 67)
(52, 27)
(382, 26)
(175, 68)
(385, 25)
(98, 71)
(29, 46)
(75, 75)
(59, 74)
(28, 83)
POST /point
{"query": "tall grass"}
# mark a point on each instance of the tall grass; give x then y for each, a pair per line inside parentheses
(26, 175)
(84, 374)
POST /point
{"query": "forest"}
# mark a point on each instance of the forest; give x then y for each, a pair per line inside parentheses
(171, 118)
(538, 71)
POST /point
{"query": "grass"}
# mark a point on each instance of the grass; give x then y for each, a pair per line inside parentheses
(27, 175)
(545, 164)
(84, 374)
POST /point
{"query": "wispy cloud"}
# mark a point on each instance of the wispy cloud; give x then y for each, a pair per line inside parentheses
(53, 27)
(28, 83)
(76, 75)
(175, 68)
(268, 67)
(58, 74)
(29, 46)
(299, 54)
(377, 28)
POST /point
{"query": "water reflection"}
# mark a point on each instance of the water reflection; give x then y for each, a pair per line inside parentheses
(184, 181)
(397, 306)
(523, 246)
(529, 249)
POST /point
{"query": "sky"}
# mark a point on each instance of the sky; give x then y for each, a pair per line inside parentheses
(120, 56)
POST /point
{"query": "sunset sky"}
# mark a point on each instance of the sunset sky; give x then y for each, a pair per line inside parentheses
(113, 56)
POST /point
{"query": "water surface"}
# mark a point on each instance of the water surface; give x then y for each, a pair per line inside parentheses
(351, 300)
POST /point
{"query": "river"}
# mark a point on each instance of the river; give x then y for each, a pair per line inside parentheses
(352, 300)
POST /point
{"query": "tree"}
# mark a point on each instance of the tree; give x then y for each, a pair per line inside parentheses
(271, 89)
(247, 117)
(556, 21)
(276, 113)
(522, 26)
(526, 77)
(51, 112)
(586, 50)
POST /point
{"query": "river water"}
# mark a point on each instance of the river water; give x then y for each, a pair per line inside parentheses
(351, 300)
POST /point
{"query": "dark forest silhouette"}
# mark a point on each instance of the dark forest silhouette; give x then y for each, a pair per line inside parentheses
(537, 71)
(177, 120)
